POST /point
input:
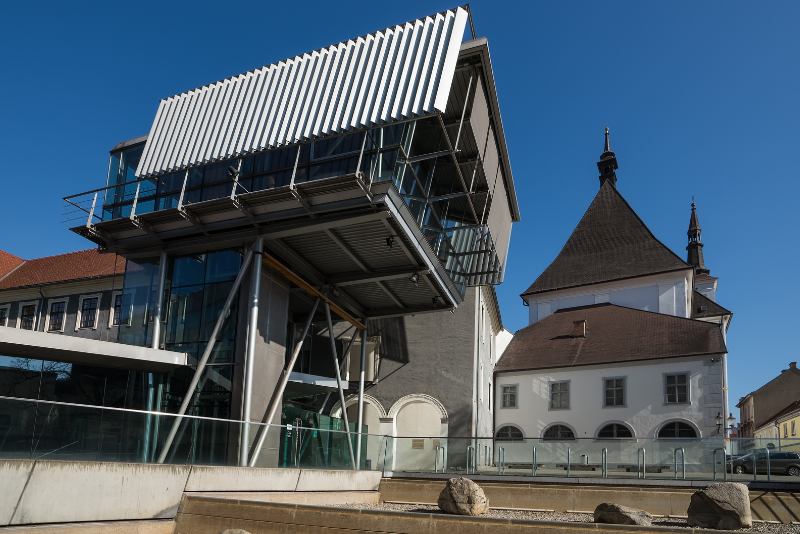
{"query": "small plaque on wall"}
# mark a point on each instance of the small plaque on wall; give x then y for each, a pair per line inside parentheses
(417, 443)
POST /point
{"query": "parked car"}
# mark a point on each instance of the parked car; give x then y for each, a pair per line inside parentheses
(780, 463)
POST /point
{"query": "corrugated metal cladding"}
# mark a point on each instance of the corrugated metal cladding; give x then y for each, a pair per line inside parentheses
(399, 73)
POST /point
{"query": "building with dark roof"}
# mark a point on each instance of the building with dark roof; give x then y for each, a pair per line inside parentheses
(625, 338)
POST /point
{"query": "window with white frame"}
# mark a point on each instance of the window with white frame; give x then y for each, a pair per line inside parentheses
(676, 388)
(115, 313)
(509, 433)
(559, 395)
(614, 389)
(88, 309)
(557, 432)
(4, 315)
(794, 433)
(56, 315)
(27, 315)
(510, 396)
(785, 430)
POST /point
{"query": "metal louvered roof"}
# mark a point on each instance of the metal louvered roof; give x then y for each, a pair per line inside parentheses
(396, 74)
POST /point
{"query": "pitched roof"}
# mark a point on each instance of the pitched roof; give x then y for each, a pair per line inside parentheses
(8, 262)
(72, 266)
(610, 243)
(790, 408)
(712, 308)
(613, 334)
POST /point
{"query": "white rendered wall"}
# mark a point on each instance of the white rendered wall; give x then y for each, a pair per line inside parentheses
(669, 294)
(644, 411)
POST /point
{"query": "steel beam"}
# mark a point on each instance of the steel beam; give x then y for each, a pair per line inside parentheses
(352, 278)
(339, 383)
(255, 290)
(204, 359)
(361, 394)
(277, 396)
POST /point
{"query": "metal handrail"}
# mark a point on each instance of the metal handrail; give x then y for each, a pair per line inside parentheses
(436, 459)
(641, 469)
(724, 464)
(755, 472)
(501, 464)
(683, 461)
(534, 466)
(470, 456)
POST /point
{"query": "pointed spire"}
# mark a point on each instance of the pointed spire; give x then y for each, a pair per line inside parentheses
(695, 246)
(607, 165)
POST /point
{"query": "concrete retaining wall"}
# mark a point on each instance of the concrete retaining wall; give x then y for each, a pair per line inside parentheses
(163, 526)
(210, 516)
(47, 491)
(765, 505)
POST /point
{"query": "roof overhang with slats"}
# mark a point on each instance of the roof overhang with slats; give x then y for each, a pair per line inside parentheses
(397, 74)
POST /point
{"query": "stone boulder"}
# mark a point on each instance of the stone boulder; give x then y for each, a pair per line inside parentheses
(464, 497)
(723, 506)
(617, 514)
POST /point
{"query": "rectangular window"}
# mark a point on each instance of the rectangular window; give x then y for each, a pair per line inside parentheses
(116, 312)
(614, 391)
(56, 322)
(794, 433)
(4, 316)
(559, 395)
(89, 312)
(27, 316)
(509, 396)
(677, 388)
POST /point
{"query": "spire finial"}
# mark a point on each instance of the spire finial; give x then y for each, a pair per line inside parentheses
(607, 164)
(608, 146)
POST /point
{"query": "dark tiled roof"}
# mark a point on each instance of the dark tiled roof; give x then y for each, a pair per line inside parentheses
(790, 408)
(8, 262)
(610, 243)
(701, 277)
(73, 266)
(712, 308)
(614, 334)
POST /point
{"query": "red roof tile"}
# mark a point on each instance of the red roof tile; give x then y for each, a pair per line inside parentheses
(8, 262)
(73, 266)
(613, 334)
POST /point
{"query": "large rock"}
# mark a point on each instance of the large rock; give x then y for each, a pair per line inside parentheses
(723, 506)
(621, 515)
(464, 497)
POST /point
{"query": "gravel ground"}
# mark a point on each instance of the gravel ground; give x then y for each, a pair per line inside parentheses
(554, 516)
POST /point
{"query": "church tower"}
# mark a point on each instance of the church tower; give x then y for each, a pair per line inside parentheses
(695, 246)
(608, 165)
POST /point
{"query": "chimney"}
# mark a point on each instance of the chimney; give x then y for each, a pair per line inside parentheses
(793, 365)
(579, 328)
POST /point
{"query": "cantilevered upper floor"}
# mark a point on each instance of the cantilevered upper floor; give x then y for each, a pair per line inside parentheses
(376, 169)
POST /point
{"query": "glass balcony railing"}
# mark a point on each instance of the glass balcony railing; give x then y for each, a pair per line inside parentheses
(31, 429)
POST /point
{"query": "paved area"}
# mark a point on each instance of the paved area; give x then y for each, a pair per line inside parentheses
(553, 516)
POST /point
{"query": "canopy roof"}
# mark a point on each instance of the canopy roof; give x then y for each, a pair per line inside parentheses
(400, 73)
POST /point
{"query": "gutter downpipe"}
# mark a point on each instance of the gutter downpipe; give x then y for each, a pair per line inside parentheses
(277, 396)
(339, 380)
(726, 433)
(255, 291)
(361, 394)
(157, 307)
(204, 359)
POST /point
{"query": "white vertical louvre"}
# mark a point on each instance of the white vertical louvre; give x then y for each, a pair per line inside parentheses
(392, 75)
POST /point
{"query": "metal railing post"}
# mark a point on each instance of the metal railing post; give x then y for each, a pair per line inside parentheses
(569, 460)
(255, 291)
(501, 460)
(91, 212)
(294, 170)
(641, 460)
(436, 459)
(361, 372)
(183, 190)
(769, 471)
(361, 154)
(470, 452)
(201, 365)
(683, 461)
(604, 462)
(533, 469)
(755, 475)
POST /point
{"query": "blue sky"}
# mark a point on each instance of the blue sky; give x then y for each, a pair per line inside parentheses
(701, 99)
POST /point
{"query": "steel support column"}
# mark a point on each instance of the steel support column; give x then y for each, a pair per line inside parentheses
(244, 445)
(361, 393)
(339, 383)
(204, 358)
(277, 396)
(157, 308)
